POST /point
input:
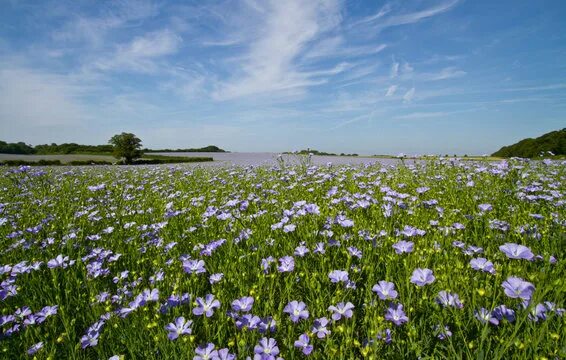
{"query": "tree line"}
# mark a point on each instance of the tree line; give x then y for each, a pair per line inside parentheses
(73, 148)
(50, 149)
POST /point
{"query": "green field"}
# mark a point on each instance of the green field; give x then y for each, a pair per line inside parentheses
(436, 260)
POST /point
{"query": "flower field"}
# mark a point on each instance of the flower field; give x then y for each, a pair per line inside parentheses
(442, 259)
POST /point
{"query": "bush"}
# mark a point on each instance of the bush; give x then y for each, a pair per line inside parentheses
(30, 163)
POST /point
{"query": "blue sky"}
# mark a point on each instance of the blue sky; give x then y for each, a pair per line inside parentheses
(373, 77)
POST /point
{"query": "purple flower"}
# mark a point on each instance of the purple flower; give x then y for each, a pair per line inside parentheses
(384, 335)
(422, 277)
(482, 264)
(319, 248)
(503, 312)
(319, 327)
(286, 264)
(303, 344)
(340, 310)
(31, 320)
(22, 312)
(403, 246)
(214, 278)
(7, 319)
(449, 300)
(515, 287)
(296, 310)
(289, 228)
(266, 349)
(355, 252)
(410, 231)
(194, 266)
(90, 339)
(180, 327)
(35, 348)
(224, 354)
(485, 207)
(395, 314)
(301, 250)
(206, 306)
(443, 332)
(385, 290)
(485, 316)
(343, 221)
(337, 276)
(243, 304)
(516, 251)
(150, 295)
(267, 324)
(248, 320)
(206, 352)
(59, 261)
(266, 262)
(538, 313)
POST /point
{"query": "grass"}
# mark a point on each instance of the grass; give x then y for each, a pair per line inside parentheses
(151, 221)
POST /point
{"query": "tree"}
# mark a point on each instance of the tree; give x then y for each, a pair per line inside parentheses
(127, 146)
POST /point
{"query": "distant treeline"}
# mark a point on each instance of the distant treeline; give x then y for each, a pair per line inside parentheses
(549, 144)
(150, 160)
(72, 148)
(320, 153)
(67, 148)
(210, 148)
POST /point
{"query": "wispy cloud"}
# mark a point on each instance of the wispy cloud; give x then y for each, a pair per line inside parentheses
(111, 16)
(409, 95)
(391, 90)
(422, 115)
(138, 55)
(34, 98)
(379, 21)
(538, 88)
(394, 69)
(270, 63)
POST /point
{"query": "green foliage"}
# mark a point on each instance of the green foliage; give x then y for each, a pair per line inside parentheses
(153, 217)
(15, 148)
(209, 148)
(45, 149)
(550, 144)
(127, 146)
(319, 153)
(72, 148)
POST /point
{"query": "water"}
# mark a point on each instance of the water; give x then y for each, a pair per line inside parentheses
(223, 159)
(260, 159)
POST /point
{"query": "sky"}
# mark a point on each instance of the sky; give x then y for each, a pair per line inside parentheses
(370, 77)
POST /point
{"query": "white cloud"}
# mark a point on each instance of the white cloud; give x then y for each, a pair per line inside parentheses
(391, 90)
(407, 68)
(139, 54)
(116, 14)
(409, 95)
(446, 73)
(394, 69)
(334, 47)
(422, 115)
(34, 99)
(270, 63)
(404, 19)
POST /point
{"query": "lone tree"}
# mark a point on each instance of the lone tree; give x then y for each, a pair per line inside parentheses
(127, 146)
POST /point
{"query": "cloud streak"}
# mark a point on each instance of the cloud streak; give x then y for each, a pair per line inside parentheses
(270, 62)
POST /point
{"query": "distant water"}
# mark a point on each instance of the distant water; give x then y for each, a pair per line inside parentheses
(258, 159)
